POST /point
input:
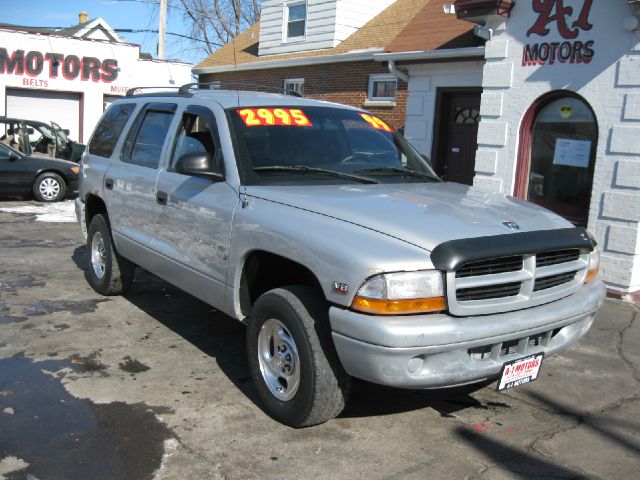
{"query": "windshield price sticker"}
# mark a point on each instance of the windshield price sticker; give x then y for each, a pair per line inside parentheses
(265, 117)
(376, 123)
(520, 371)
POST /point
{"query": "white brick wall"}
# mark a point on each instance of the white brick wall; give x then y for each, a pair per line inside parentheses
(609, 84)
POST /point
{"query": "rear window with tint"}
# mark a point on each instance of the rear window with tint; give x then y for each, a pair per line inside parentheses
(109, 129)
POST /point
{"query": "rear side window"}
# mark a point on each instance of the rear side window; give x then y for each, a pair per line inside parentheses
(109, 129)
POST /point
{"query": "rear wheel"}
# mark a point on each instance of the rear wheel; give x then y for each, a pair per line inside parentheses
(109, 273)
(292, 358)
(49, 187)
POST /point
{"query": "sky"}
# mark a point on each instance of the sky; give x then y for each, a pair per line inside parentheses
(128, 14)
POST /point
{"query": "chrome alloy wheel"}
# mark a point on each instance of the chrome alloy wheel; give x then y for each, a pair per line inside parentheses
(98, 262)
(279, 360)
(49, 188)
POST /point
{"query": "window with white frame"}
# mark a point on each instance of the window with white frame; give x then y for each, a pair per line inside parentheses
(295, 20)
(294, 84)
(382, 87)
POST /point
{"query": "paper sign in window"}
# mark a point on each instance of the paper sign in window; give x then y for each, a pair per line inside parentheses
(376, 123)
(264, 117)
(573, 153)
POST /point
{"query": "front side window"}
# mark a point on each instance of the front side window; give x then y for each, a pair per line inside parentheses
(147, 147)
(322, 145)
(195, 137)
(296, 16)
(382, 87)
(108, 130)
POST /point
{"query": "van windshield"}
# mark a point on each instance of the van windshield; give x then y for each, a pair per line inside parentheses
(321, 145)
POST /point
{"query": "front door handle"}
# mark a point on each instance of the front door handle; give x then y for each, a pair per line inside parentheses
(161, 198)
(108, 183)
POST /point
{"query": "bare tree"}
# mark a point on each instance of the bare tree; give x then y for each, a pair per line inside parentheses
(216, 22)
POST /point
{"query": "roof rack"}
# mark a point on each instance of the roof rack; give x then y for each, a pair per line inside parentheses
(132, 91)
(218, 85)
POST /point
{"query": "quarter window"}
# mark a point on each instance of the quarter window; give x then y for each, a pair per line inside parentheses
(296, 15)
(382, 87)
(108, 130)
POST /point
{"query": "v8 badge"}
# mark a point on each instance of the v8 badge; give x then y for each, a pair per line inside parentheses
(340, 288)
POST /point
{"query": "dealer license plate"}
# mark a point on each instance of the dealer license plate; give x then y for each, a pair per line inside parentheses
(520, 371)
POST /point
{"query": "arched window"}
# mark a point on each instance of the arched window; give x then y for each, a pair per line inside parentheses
(556, 159)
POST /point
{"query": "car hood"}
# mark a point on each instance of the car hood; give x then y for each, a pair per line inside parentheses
(51, 162)
(424, 215)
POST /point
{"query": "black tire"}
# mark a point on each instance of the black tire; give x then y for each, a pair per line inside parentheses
(108, 272)
(323, 386)
(49, 187)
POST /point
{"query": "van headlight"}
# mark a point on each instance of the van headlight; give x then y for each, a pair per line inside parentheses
(594, 265)
(401, 293)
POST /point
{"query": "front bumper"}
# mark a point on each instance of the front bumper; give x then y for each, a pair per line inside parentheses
(439, 350)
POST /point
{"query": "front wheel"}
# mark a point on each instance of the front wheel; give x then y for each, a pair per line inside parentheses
(49, 187)
(292, 358)
(108, 273)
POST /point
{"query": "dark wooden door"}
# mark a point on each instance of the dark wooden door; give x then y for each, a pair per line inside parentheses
(458, 136)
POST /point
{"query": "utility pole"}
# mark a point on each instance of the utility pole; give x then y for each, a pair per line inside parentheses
(162, 28)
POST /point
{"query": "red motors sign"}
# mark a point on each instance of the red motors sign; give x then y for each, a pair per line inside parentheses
(569, 24)
(70, 67)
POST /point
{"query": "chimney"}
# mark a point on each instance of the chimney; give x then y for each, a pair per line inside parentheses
(83, 17)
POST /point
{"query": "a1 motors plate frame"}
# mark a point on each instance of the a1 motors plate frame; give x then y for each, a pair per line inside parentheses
(520, 371)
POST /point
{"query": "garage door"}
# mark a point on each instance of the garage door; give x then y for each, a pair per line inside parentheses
(62, 108)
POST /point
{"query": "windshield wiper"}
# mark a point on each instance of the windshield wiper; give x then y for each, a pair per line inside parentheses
(305, 169)
(401, 171)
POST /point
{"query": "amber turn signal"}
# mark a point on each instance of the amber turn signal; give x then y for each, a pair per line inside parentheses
(398, 307)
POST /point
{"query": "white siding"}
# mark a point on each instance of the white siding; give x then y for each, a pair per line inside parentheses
(329, 22)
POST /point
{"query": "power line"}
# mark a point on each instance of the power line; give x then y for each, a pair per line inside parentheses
(147, 30)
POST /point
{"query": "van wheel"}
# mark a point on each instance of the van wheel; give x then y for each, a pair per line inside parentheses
(49, 187)
(292, 358)
(108, 273)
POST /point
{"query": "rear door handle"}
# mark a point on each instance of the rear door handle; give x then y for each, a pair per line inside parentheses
(108, 183)
(161, 198)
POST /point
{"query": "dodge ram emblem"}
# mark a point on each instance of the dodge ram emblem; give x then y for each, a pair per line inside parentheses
(511, 225)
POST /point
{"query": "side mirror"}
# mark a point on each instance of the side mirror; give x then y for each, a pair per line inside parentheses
(30, 131)
(13, 157)
(197, 164)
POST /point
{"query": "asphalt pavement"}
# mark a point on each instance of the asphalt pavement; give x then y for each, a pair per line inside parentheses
(155, 385)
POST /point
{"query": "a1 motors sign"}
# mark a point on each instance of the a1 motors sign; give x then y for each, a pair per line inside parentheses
(569, 22)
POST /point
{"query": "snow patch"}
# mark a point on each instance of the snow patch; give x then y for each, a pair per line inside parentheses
(60, 212)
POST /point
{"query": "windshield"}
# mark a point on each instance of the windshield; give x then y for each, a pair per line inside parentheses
(322, 145)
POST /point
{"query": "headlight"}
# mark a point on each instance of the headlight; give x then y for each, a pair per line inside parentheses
(401, 293)
(594, 265)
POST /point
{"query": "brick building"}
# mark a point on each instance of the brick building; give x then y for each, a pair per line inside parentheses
(330, 50)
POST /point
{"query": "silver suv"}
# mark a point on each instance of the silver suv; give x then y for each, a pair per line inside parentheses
(328, 235)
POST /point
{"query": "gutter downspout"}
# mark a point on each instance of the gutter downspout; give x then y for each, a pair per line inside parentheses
(394, 71)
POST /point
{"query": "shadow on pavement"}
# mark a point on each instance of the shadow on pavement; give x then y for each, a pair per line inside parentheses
(595, 422)
(223, 338)
(513, 460)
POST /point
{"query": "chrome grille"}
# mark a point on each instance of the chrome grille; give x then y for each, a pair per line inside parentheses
(553, 281)
(493, 291)
(490, 266)
(557, 256)
(502, 284)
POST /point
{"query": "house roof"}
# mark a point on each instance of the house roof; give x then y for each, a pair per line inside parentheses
(80, 30)
(406, 25)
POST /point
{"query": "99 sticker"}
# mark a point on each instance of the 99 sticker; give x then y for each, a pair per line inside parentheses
(376, 123)
(264, 117)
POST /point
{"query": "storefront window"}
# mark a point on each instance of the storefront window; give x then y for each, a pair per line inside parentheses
(563, 144)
